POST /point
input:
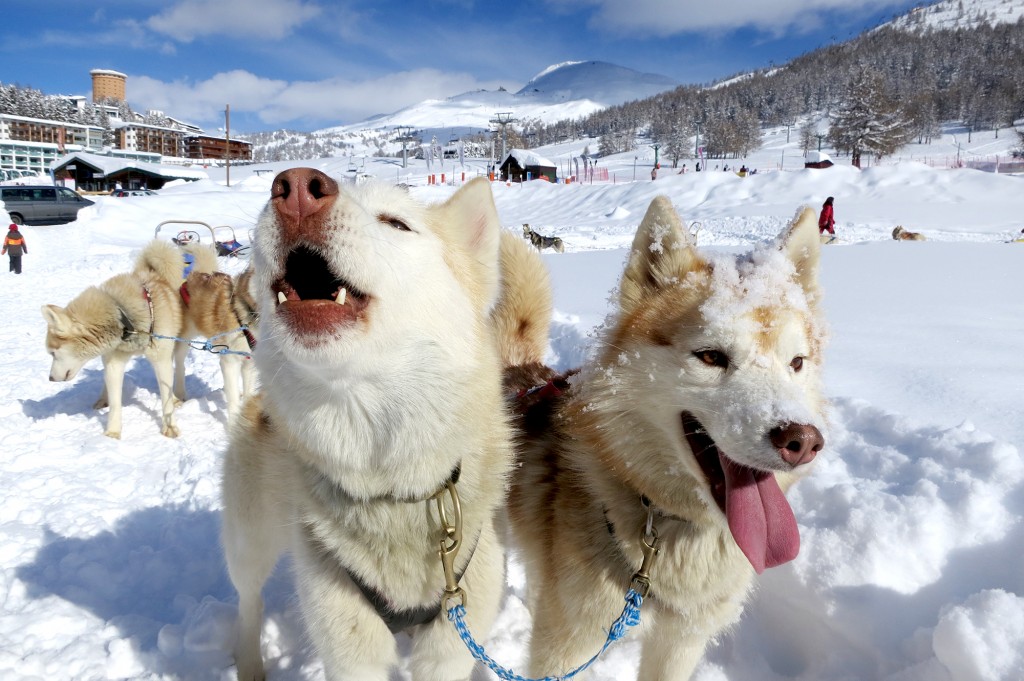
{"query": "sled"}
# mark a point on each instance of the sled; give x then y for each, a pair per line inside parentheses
(694, 230)
(225, 244)
(229, 245)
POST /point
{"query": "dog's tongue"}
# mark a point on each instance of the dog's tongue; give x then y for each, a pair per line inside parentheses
(760, 519)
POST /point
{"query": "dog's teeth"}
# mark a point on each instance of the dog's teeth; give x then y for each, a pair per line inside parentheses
(342, 294)
(281, 298)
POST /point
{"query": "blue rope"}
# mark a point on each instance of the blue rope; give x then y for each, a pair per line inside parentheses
(630, 617)
(208, 344)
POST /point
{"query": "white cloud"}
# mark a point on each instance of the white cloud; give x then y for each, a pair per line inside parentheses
(334, 101)
(669, 17)
(267, 19)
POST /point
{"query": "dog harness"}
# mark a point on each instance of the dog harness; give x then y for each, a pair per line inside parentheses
(252, 316)
(127, 328)
(332, 494)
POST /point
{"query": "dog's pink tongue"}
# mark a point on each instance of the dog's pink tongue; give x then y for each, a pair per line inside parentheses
(760, 519)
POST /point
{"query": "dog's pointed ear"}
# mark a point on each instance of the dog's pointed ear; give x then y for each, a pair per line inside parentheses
(802, 244)
(662, 254)
(472, 220)
(56, 318)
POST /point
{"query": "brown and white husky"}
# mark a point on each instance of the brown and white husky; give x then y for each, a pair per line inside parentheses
(701, 407)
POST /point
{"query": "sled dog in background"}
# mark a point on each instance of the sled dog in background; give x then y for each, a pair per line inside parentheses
(900, 234)
(701, 406)
(378, 318)
(541, 242)
(217, 305)
(116, 321)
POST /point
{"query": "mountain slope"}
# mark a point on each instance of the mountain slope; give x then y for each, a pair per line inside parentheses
(964, 14)
(567, 90)
(597, 81)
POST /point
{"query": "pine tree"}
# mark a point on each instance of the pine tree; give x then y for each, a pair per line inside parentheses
(869, 120)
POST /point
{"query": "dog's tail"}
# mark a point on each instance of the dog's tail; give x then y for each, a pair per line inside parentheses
(204, 257)
(167, 262)
(522, 315)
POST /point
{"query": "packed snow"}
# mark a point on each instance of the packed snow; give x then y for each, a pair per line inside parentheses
(912, 523)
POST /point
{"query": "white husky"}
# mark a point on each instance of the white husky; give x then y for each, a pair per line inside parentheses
(381, 387)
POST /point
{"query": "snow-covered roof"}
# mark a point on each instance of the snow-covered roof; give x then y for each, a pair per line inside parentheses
(109, 165)
(817, 157)
(525, 157)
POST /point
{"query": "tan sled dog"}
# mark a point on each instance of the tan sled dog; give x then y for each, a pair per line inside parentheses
(701, 406)
(217, 306)
(118, 319)
(900, 234)
(382, 388)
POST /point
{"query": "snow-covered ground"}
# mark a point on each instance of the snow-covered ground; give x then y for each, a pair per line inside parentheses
(912, 566)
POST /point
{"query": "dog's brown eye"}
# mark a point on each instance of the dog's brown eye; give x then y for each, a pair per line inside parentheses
(713, 358)
(797, 364)
(394, 222)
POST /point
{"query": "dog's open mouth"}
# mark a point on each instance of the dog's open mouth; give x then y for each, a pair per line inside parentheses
(312, 299)
(760, 518)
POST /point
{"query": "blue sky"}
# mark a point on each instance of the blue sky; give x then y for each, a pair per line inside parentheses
(309, 64)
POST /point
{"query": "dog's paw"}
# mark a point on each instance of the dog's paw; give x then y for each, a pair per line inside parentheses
(171, 431)
(101, 403)
(116, 434)
(178, 402)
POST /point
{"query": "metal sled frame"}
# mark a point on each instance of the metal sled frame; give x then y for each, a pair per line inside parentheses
(229, 246)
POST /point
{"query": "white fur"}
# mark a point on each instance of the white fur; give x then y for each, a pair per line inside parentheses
(375, 411)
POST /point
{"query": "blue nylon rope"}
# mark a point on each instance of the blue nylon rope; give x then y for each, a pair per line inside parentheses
(208, 344)
(630, 617)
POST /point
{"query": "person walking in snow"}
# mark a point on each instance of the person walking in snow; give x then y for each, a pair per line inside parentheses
(14, 247)
(826, 221)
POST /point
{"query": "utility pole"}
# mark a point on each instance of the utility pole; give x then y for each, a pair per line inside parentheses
(227, 142)
(503, 119)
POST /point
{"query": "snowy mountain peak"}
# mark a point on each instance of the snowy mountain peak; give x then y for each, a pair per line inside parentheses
(553, 67)
(597, 81)
(571, 89)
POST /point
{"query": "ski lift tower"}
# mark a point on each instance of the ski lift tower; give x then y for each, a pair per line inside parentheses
(503, 119)
(405, 136)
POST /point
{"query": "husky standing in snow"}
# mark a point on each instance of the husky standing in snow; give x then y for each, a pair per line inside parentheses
(701, 407)
(118, 320)
(384, 328)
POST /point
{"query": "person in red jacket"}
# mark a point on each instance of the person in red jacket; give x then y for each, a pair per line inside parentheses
(15, 244)
(826, 221)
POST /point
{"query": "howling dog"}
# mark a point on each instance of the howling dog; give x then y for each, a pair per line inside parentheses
(701, 406)
(541, 242)
(385, 325)
(118, 320)
(900, 234)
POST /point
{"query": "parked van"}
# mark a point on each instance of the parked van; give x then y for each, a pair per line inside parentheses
(42, 204)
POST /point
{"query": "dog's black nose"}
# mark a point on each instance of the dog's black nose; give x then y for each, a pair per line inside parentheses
(797, 443)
